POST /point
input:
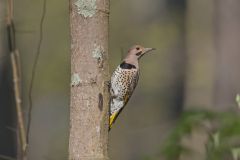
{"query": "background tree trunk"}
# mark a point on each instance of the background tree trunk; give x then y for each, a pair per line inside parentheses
(213, 53)
(200, 75)
(201, 54)
(89, 71)
(228, 51)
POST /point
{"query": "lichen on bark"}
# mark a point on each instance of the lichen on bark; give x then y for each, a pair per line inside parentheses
(87, 8)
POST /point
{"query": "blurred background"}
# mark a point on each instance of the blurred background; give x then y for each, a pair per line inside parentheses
(186, 94)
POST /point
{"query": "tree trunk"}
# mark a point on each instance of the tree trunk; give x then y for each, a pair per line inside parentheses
(228, 49)
(89, 71)
(201, 54)
(200, 76)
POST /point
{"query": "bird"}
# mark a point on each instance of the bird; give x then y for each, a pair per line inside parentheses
(124, 80)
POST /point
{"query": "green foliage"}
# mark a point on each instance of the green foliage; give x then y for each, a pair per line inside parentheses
(236, 153)
(147, 158)
(224, 134)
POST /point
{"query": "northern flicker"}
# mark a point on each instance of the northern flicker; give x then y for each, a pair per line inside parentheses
(124, 80)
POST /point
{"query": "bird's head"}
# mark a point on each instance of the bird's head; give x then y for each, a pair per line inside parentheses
(137, 51)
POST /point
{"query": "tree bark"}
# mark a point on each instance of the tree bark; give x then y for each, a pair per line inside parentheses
(89, 71)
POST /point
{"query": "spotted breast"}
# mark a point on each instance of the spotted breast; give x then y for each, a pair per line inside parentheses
(123, 82)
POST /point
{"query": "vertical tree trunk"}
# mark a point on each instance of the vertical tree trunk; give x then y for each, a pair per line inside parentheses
(201, 54)
(89, 70)
(200, 79)
(228, 49)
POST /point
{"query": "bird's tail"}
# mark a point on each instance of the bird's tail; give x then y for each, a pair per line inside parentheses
(112, 118)
(115, 104)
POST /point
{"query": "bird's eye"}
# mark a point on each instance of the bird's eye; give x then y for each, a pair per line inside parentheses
(137, 48)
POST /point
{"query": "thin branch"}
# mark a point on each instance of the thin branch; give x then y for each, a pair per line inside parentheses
(16, 71)
(10, 12)
(34, 70)
(18, 61)
(18, 102)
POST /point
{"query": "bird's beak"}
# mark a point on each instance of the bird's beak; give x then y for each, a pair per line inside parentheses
(146, 50)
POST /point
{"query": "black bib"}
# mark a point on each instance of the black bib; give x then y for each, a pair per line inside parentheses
(125, 65)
